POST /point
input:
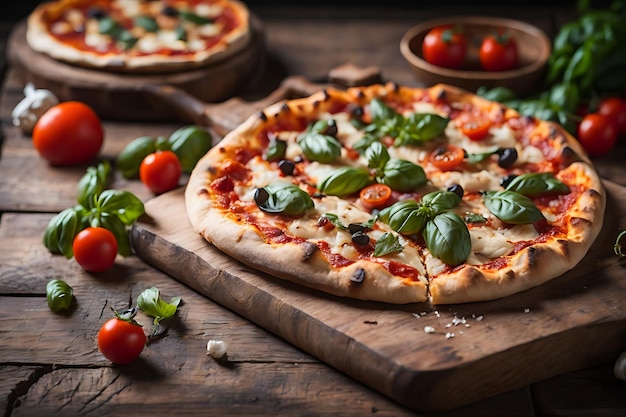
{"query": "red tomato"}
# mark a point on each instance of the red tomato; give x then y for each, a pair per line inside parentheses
(474, 125)
(69, 133)
(498, 52)
(160, 171)
(615, 108)
(447, 157)
(597, 133)
(445, 46)
(121, 341)
(95, 249)
(375, 195)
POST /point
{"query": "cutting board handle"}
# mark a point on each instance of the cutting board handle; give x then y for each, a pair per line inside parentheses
(224, 117)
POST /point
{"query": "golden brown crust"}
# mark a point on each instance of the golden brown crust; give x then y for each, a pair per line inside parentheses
(529, 267)
(40, 39)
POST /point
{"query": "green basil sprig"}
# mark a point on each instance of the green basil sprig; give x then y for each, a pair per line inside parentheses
(130, 158)
(534, 184)
(317, 144)
(287, 199)
(59, 295)
(344, 181)
(445, 233)
(93, 183)
(151, 303)
(98, 207)
(448, 238)
(415, 129)
(388, 243)
(512, 207)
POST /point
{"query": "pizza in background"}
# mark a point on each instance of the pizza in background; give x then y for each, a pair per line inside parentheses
(139, 35)
(399, 195)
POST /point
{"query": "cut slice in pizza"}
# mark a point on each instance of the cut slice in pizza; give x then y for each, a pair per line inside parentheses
(399, 195)
(139, 35)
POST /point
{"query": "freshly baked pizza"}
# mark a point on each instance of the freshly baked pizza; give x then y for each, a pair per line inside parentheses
(139, 35)
(399, 195)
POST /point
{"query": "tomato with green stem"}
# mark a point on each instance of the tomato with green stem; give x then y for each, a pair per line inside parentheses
(445, 46)
(597, 134)
(121, 340)
(160, 171)
(69, 133)
(498, 52)
(95, 249)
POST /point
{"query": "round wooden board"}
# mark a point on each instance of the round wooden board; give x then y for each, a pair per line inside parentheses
(118, 96)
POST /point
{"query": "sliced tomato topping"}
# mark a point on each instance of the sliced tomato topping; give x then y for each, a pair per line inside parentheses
(474, 125)
(375, 195)
(447, 157)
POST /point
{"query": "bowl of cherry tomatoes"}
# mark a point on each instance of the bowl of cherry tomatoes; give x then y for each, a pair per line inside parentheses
(475, 51)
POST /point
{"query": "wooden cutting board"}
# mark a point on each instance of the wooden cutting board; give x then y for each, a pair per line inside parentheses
(477, 350)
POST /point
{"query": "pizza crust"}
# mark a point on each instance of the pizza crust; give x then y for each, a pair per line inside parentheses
(39, 39)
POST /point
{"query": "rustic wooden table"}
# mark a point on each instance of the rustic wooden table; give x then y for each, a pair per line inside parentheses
(50, 364)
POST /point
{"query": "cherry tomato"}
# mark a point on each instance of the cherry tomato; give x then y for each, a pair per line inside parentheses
(445, 46)
(95, 249)
(597, 133)
(498, 52)
(160, 171)
(474, 125)
(375, 195)
(69, 133)
(447, 157)
(615, 108)
(121, 341)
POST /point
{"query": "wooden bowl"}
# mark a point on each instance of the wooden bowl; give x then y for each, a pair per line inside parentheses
(533, 45)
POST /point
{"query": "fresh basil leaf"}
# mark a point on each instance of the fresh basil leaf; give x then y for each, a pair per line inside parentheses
(388, 243)
(334, 219)
(276, 150)
(403, 176)
(475, 158)
(113, 223)
(61, 230)
(130, 158)
(319, 147)
(194, 18)
(381, 112)
(92, 184)
(122, 204)
(474, 218)
(534, 184)
(406, 217)
(377, 155)
(421, 127)
(365, 142)
(440, 201)
(512, 207)
(151, 303)
(59, 295)
(148, 23)
(448, 238)
(344, 181)
(287, 199)
(109, 26)
(190, 143)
